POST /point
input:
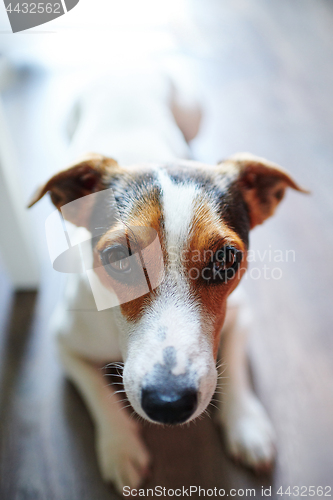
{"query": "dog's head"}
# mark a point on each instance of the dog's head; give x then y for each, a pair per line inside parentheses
(202, 215)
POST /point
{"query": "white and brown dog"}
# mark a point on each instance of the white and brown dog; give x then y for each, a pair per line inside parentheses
(168, 337)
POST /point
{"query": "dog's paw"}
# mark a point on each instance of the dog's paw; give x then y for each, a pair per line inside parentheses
(250, 437)
(123, 458)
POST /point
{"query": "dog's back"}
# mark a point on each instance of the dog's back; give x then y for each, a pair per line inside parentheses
(131, 117)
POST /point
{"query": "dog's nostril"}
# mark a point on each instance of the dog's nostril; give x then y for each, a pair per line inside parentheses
(172, 407)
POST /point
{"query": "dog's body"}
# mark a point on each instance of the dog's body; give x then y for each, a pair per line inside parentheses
(168, 337)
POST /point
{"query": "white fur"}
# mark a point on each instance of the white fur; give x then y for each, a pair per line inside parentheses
(177, 201)
(178, 316)
(127, 116)
(133, 123)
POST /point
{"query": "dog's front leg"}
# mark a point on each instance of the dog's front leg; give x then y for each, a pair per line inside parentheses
(248, 432)
(122, 456)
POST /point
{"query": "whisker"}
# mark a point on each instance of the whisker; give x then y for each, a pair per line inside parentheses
(124, 407)
(137, 416)
(206, 412)
(112, 384)
(223, 363)
(115, 364)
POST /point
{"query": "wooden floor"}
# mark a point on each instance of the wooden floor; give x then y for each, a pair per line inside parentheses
(265, 70)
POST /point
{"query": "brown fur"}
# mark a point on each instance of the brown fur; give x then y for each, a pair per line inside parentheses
(209, 234)
(142, 227)
(84, 177)
(262, 184)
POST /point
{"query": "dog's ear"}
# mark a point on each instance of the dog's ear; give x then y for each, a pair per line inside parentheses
(89, 175)
(261, 182)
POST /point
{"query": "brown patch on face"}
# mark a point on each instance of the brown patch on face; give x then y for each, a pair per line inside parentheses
(141, 235)
(147, 213)
(209, 230)
(209, 234)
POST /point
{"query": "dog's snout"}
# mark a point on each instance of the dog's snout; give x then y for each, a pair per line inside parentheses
(169, 407)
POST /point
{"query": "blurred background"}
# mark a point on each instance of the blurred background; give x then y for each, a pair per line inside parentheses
(263, 74)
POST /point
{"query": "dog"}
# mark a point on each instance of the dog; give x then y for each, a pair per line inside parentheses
(168, 336)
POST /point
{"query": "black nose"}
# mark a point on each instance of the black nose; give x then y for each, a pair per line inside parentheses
(172, 407)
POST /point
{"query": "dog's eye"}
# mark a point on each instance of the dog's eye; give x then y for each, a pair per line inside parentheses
(223, 265)
(116, 260)
(224, 259)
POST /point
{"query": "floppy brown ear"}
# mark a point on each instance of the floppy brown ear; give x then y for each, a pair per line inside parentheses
(261, 182)
(86, 176)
